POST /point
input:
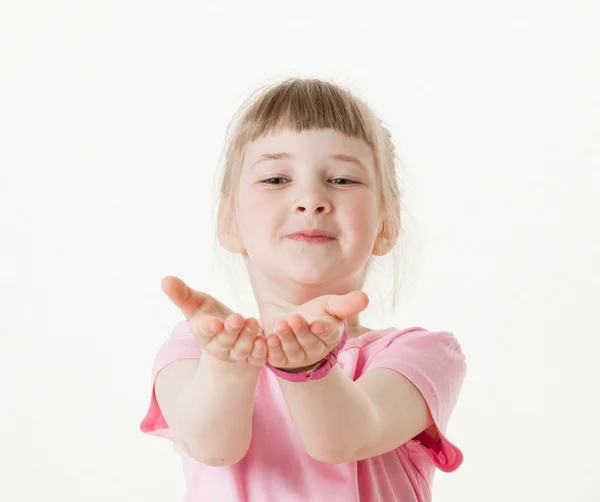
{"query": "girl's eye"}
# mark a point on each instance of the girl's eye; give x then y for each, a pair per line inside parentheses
(278, 180)
(274, 181)
(341, 181)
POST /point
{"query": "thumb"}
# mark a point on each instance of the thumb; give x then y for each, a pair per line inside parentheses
(187, 299)
(343, 306)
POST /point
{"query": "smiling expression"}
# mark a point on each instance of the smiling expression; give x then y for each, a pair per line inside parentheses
(308, 207)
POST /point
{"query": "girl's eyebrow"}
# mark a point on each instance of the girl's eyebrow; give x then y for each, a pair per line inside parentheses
(285, 155)
(348, 158)
(272, 156)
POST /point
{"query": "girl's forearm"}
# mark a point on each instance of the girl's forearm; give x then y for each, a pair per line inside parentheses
(214, 411)
(333, 417)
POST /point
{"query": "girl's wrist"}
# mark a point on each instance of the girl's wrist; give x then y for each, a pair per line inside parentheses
(300, 369)
(226, 367)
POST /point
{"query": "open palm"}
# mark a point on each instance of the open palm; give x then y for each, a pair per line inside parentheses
(314, 329)
(224, 334)
(300, 339)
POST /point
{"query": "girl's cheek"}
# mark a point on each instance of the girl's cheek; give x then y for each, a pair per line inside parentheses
(361, 206)
(264, 198)
(258, 211)
(258, 203)
(363, 213)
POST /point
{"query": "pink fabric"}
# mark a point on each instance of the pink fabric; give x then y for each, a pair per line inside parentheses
(276, 466)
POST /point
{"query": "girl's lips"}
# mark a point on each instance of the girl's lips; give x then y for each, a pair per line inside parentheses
(311, 238)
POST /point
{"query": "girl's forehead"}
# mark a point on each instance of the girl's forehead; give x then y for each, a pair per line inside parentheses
(318, 142)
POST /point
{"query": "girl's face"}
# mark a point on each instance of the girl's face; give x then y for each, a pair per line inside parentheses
(308, 208)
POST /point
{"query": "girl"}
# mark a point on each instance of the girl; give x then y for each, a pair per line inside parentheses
(306, 405)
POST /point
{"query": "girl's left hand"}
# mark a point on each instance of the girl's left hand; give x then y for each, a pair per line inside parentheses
(298, 344)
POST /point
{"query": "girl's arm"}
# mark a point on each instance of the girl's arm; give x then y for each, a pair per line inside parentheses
(340, 420)
(208, 405)
(208, 402)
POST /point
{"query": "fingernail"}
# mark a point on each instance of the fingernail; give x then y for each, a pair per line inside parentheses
(319, 328)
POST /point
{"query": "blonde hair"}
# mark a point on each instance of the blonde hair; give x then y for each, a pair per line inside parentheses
(302, 104)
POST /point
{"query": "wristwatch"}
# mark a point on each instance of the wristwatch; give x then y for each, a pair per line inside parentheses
(320, 370)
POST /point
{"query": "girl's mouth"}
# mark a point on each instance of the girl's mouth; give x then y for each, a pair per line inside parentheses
(311, 238)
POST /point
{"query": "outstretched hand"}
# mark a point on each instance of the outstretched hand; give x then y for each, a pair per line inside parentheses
(300, 340)
(313, 330)
(222, 333)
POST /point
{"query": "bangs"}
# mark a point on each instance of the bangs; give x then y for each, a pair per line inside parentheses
(301, 105)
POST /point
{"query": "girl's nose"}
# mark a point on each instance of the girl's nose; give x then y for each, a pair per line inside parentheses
(322, 208)
(313, 204)
(311, 197)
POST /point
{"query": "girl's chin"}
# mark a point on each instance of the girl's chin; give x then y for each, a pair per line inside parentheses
(305, 273)
(311, 278)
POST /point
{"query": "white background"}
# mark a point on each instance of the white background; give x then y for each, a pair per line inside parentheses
(112, 121)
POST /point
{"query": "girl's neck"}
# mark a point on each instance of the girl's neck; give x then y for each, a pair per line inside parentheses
(276, 301)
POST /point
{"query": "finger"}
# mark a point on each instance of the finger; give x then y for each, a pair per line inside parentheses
(258, 356)
(224, 341)
(309, 342)
(245, 341)
(275, 355)
(329, 330)
(189, 300)
(294, 353)
(205, 328)
(342, 306)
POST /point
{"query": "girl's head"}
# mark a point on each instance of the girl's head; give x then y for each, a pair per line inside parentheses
(307, 155)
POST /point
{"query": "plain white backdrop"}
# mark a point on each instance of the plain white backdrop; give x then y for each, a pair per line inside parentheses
(112, 123)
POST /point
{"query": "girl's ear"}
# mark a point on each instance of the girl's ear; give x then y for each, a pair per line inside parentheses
(382, 245)
(227, 231)
(385, 240)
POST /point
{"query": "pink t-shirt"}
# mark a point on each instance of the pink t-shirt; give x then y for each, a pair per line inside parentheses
(277, 468)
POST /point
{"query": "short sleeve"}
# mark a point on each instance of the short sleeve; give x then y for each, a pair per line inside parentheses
(433, 361)
(181, 344)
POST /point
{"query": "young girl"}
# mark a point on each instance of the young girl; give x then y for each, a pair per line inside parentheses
(306, 405)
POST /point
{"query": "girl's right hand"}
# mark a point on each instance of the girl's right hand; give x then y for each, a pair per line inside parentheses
(223, 334)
